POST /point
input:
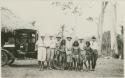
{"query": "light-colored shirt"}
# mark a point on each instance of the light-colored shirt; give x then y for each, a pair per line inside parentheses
(50, 43)
(69, 45)
(40, 43)
(58, 44)
(94, 45)
(81, 45)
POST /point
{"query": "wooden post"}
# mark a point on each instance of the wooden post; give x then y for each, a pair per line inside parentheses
(62, 31)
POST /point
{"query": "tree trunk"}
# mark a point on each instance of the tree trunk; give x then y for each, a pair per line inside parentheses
(113, 29)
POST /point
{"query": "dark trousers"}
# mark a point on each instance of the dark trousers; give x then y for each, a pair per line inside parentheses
(63, 59)
(94, 58)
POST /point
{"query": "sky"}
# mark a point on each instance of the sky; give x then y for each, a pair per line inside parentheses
(49, 18)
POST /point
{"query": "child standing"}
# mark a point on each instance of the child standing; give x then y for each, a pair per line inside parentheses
(41, 52)
(69, 52)
(88, 54)
(75, 54)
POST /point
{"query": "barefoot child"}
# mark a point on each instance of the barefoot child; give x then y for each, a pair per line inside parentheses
(88, 54)
(75, 54)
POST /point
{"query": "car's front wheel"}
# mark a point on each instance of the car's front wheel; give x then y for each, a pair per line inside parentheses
(4, 57)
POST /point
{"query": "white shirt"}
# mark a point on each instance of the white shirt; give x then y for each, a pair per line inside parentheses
(50, 43)
(69, 44)
(40, 43)
(94, 45)
(81, 45)
(58, 44)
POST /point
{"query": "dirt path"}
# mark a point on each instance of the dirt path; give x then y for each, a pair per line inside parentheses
(29, 69)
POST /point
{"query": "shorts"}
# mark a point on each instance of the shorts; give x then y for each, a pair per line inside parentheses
(69, 58)
(75, 58)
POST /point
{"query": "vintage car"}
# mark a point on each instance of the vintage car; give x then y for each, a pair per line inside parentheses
(21, 45)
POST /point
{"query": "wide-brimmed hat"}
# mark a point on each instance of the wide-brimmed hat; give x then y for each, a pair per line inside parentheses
(51, 36)
(42, 36)
(58, 37)
(93, 37)
(69, 37)
(81, 39)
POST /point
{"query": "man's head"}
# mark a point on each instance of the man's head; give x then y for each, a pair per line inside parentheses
(76, 43)
(63, 42)
(87, 43)
(93, 38)
(43, 37)
(81, 40)
(58, 38)
(69, 38)
(51, 37)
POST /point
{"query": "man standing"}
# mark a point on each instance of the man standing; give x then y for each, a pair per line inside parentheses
(57, 52)
(50, 51)
(94, 47)
(83, 52)
(69, 52)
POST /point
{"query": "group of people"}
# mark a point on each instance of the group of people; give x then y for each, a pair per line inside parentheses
(66, 54)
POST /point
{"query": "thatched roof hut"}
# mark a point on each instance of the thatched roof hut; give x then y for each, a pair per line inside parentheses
(10, 21)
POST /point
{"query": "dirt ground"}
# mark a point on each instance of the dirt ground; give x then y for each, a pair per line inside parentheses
(29, 69)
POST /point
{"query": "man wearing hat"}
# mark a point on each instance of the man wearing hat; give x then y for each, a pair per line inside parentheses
(82, 56)
(57, 51)
(69, 44)
(41, 51)
(94, 46)
(50, 52)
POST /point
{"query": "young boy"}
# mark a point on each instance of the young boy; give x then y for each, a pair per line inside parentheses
(69, 52)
